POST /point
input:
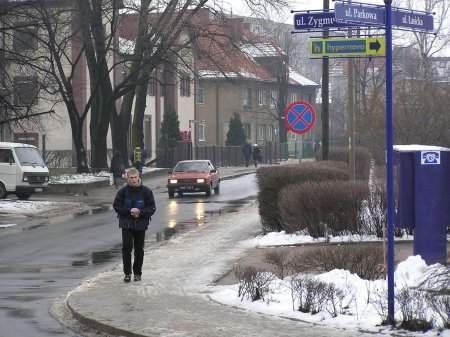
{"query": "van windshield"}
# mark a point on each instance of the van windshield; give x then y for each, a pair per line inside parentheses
(29, 156)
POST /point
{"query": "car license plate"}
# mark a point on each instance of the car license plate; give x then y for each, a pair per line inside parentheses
(38, 189)
(187, 188)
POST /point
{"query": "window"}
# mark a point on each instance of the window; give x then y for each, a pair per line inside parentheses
(246, 97)
(261, 132)
(261, 97)
(25, 91)
(292, 97)
(24, 38)
(200, 95)
(247, 130)
(201, 132)
(185, 86)
(269, 132)
(6, 156)
(273, 97)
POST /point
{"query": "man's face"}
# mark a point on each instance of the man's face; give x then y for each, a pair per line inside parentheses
(133, 180)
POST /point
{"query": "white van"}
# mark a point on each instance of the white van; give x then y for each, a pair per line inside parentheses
(22, 170)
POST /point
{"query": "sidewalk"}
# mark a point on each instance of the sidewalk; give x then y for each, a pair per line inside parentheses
(172, 298)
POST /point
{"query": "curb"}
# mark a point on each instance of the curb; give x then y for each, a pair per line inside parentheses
(99, 326)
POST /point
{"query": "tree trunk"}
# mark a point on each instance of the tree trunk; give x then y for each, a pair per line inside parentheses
(139, 112)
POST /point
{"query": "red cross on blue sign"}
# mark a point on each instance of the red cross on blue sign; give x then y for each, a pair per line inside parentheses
(299, 117)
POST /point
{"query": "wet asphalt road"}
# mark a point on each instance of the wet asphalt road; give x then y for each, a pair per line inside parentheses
(44, 262)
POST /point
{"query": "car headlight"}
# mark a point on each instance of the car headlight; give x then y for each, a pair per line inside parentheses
(173, 181)
(25, 178)
(200, 181)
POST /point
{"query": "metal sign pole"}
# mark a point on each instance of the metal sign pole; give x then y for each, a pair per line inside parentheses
(389, 163)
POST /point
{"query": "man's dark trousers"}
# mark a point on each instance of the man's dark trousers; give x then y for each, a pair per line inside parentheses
(132, 238)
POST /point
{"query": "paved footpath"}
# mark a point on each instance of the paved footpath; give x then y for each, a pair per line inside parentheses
(172, 298)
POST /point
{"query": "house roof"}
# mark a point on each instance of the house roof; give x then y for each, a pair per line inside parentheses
(299, 79)
(220, 57)
(225, 48)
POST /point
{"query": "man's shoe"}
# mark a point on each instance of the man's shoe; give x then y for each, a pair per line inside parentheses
(137, 277)
(127, 278)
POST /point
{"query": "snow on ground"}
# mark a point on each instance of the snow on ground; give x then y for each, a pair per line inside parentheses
(28, 207)
(361, 313)
(82, 178)
(283, 239)
(85, 178)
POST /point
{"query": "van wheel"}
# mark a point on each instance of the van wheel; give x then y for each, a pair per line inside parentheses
(3, 192)
(23, 196)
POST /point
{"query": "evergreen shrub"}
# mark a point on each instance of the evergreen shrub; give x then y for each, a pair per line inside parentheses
(323, 207)
(272, 179)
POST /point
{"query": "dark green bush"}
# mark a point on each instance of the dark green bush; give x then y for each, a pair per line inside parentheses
(272, 179)
(323, 208)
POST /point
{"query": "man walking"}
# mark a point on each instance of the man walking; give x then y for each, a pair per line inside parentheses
(134, 204)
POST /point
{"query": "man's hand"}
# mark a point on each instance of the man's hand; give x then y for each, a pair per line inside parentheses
(135, 212)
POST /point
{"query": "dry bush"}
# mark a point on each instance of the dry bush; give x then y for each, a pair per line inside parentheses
(412, 304)
(440, 305)
(279, 257)
(272, 179)
(361, 260)
(323, 208)
(375, 214)
(253, 283)
(362, 159)
(310, 295)
(437, 286)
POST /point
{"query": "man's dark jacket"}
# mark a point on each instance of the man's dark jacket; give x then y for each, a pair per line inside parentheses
(129, 197)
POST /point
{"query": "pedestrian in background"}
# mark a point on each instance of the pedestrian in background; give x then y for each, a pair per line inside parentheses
(137, 159)
(257, 156)
(247, 152)
(117, 169)
(134, 204)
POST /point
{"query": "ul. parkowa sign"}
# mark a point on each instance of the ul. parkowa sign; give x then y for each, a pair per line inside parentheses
(299, 117)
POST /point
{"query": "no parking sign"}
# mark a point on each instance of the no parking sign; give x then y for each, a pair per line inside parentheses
(299, 117)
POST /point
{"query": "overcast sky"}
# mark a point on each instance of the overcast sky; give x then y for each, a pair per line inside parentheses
(239, 7)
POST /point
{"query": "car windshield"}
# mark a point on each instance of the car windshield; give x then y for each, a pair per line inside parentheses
(29, 156)
(192, 167)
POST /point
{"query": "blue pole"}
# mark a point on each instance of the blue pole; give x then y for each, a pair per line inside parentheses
(389, 164)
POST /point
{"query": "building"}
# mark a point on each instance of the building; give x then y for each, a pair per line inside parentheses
(240, 72)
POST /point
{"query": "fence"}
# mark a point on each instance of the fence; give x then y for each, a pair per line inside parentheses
(220, 155)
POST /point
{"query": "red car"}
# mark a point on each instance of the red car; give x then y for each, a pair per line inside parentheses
(190, 176)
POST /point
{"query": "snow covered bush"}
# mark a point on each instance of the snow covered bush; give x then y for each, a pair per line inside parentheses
(253, 283)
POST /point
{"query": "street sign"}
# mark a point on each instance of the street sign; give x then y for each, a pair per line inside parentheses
(347, 47)
(402, 18)
(318, 20)
(299, 117)
(406, 19)
(357, 13)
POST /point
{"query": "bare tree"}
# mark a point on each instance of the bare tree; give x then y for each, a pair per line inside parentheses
(92, 26)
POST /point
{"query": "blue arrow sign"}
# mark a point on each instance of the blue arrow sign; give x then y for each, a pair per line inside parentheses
(402, 18)
(318, 20)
